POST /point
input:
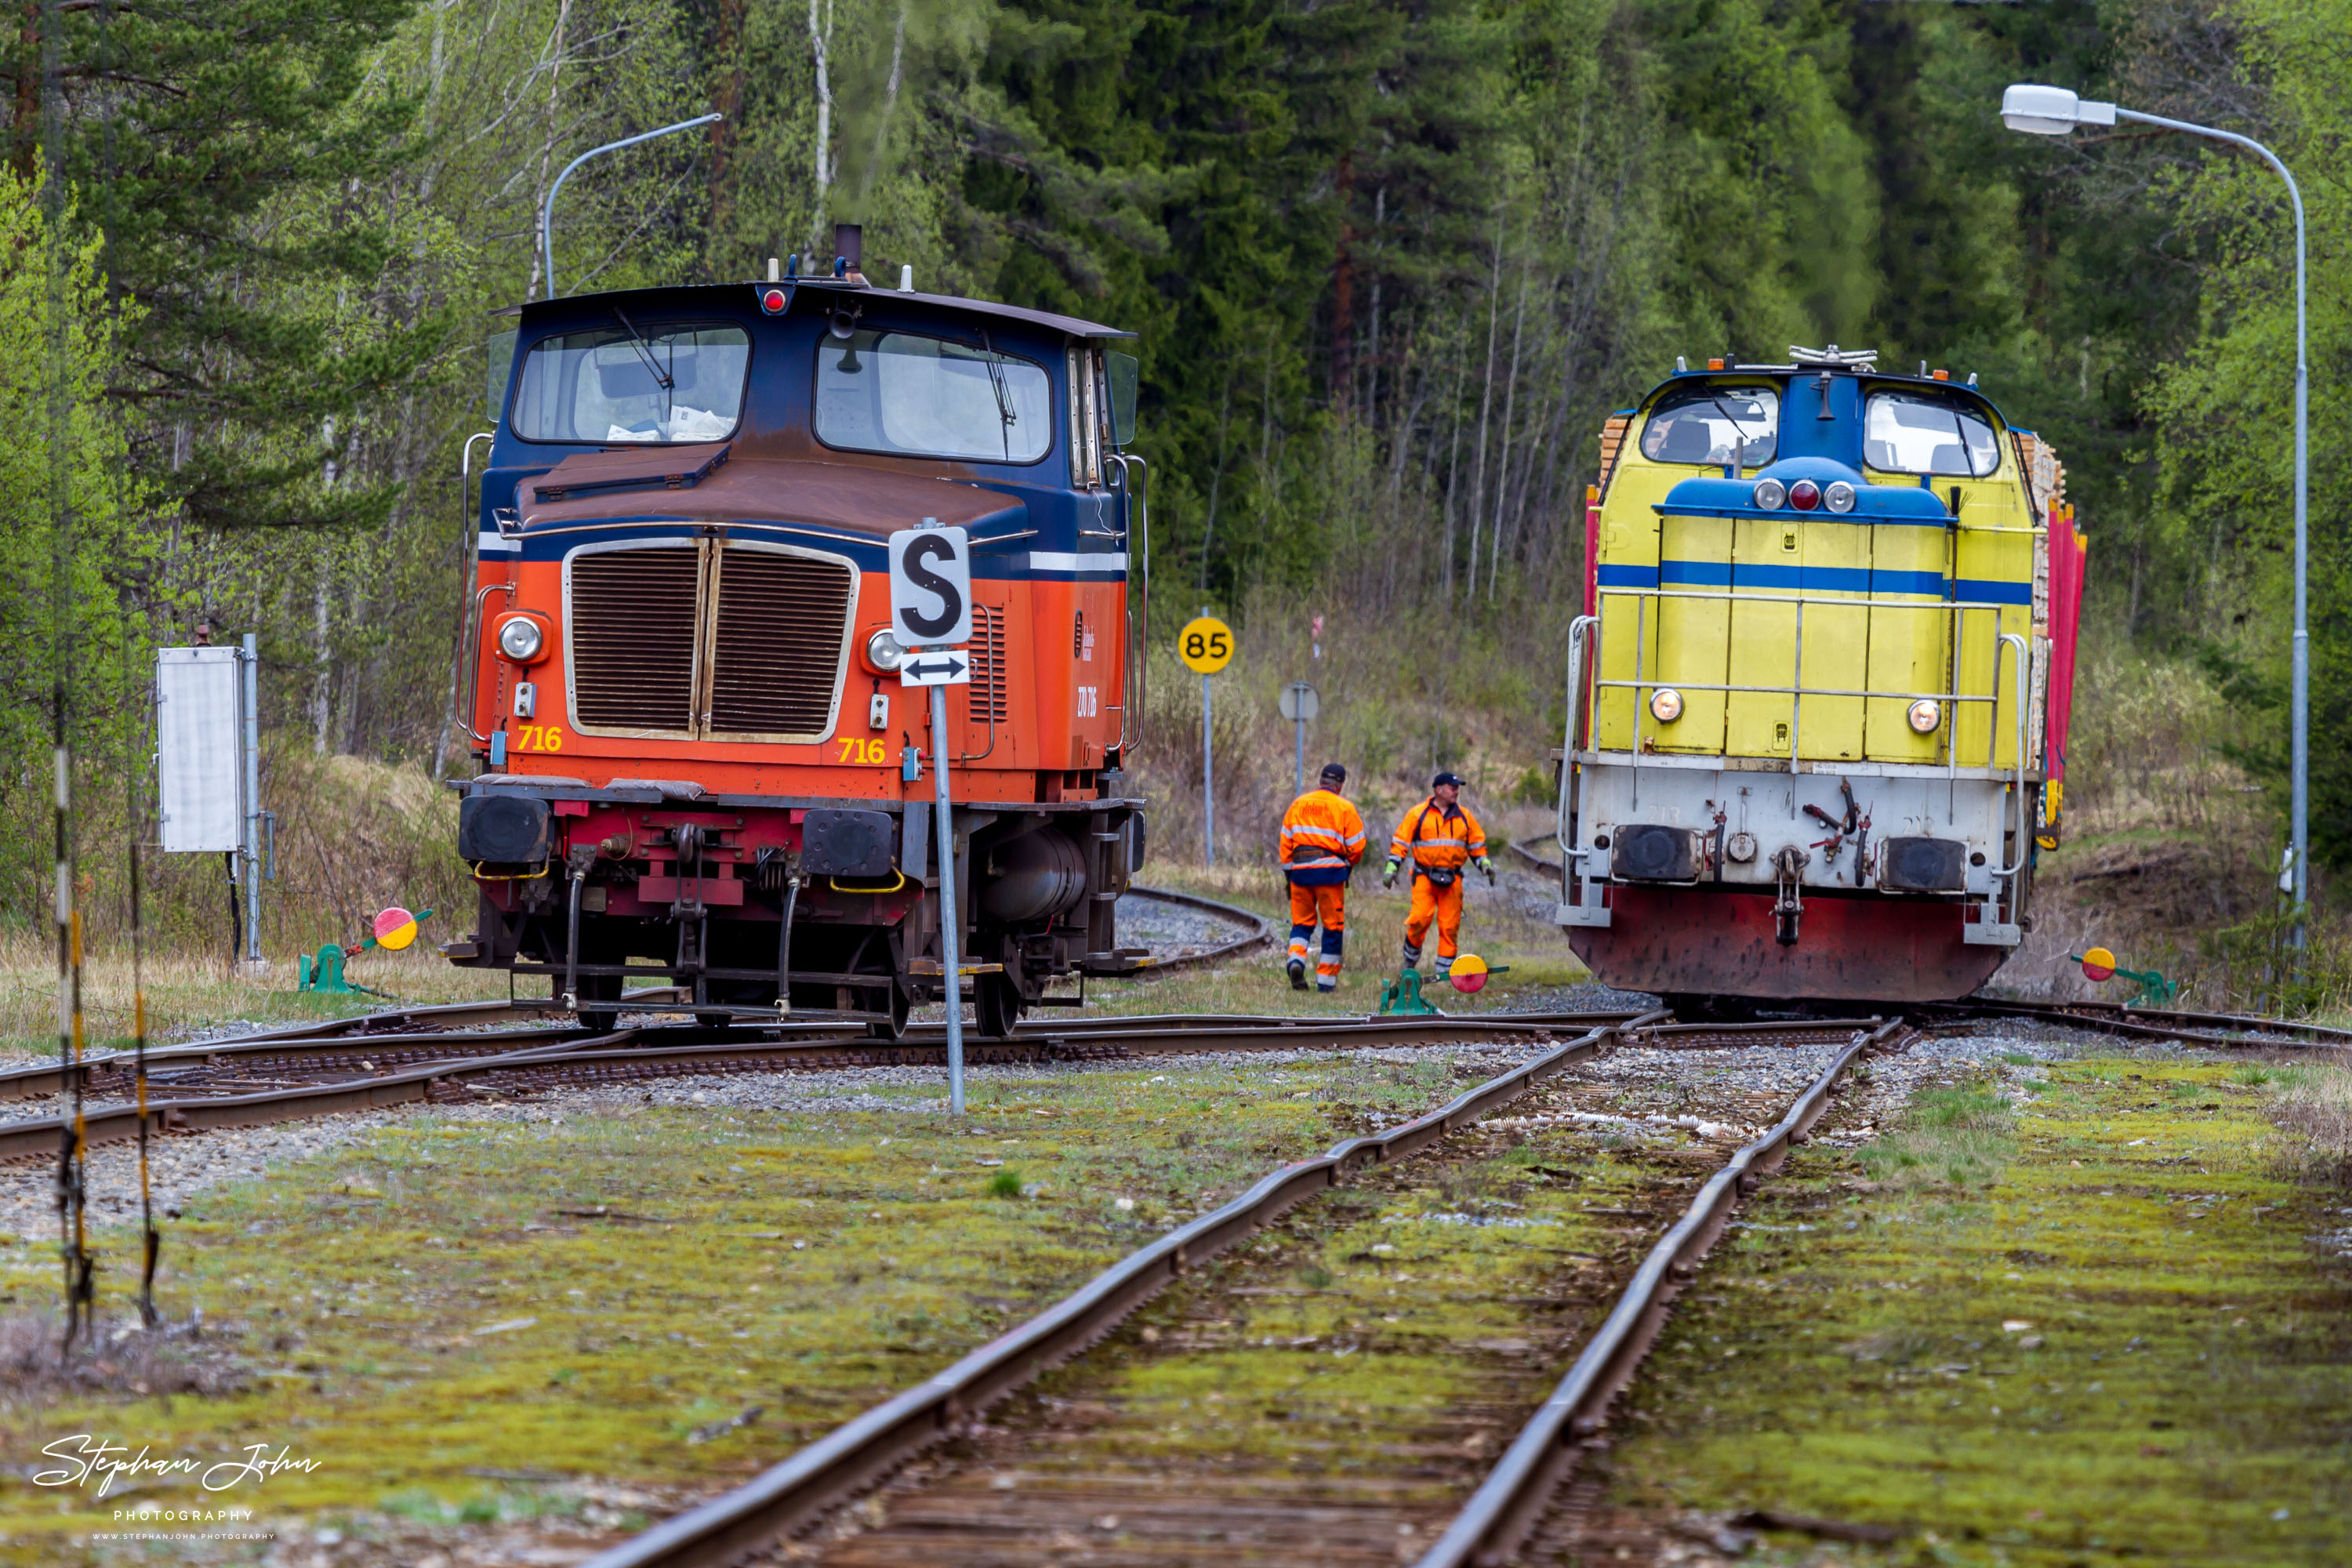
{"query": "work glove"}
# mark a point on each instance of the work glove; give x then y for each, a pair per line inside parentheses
(1388, 877)
(1486, 866)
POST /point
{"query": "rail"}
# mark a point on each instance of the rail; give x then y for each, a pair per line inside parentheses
(1515, 1494)
(639, 1052)
(867, 1448)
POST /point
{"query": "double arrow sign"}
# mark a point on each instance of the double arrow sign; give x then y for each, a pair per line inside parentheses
(949, 667)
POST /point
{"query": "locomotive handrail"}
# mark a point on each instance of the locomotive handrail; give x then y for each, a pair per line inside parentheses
(2024, 654)
(473, 657)
(468, 566)
(1797, 692)
(1135, 487)
(1577, 677)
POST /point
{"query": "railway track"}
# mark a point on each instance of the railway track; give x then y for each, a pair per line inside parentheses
(1083, 1467)
(331, 1083)
(408, 1036)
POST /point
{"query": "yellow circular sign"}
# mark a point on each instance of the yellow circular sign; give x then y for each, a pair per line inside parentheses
(1206, 644)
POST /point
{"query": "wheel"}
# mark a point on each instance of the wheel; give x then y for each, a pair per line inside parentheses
(901, 1004)
(998, 1003)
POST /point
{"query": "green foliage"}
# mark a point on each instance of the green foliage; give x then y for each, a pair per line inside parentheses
(1391, 265)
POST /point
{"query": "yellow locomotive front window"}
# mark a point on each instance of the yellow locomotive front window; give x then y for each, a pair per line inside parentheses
(1713, 425)
(626, 383)
(895, 391)
(1904, 432)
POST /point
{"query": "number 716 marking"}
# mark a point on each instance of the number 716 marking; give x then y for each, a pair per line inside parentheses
(871, 753)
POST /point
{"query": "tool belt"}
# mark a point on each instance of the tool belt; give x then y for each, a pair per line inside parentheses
(1439, 877)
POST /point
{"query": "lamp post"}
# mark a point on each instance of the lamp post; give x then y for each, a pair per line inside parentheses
(547, 213)
(2055, 112)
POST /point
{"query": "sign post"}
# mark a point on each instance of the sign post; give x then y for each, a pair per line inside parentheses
(1206, 644)
(930, 616)
(1300, 704)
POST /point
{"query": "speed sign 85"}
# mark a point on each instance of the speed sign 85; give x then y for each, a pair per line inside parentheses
(1206, 644)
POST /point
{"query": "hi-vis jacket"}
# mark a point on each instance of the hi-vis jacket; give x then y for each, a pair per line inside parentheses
(1322, 839)
(1438, 838)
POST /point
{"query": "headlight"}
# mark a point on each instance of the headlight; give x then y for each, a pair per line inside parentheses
(883, 652)
(1769, 494)
(1838, 496)
(1804, 495)
(1925, 714)
(1665, 705)
(519, 638)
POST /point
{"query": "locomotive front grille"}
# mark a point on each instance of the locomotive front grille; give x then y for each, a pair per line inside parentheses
(776, 654)
(632, 621)
(707, 640)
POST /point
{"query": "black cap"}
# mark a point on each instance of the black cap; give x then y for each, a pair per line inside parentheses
(1453, 779)
(1334, 772)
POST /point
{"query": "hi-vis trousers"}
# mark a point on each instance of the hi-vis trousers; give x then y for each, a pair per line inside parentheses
(1327, 907)
(1442, 905)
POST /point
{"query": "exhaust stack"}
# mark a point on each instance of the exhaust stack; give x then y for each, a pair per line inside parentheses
(849, 251)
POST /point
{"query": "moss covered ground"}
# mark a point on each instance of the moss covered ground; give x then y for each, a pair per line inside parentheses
(668, 1295)
(1340, 1384)
(2071, 1313)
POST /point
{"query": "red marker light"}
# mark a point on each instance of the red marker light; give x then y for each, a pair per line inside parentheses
(773, 301)
(1804, 495)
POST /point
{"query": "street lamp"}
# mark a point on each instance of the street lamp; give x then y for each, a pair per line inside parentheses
(547, 213)
(2053, 112)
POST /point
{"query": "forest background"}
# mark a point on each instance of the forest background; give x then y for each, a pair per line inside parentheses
(1392, 262)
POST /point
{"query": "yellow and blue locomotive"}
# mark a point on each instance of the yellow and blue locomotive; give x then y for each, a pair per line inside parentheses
(1818, 696)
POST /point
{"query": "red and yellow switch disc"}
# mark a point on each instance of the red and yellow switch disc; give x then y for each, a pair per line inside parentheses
(395, 928)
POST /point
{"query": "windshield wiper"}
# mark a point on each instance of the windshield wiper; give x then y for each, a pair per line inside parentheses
(644, 347)
(1736, 425)
(1003, 396)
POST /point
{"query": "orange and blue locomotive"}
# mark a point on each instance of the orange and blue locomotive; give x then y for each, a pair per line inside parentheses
(1818, 696)
(698, 762)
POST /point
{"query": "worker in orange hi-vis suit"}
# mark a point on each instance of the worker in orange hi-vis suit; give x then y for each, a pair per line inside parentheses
(1322, 839)
(1440, 838)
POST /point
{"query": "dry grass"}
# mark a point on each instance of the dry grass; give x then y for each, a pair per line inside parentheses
(1397, 706)
(189, 993)
(2314, 1102)
(124, 1360)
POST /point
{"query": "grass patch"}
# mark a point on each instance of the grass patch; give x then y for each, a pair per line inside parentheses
(751, 1279)
(2117, 1348)
(1954, 1136)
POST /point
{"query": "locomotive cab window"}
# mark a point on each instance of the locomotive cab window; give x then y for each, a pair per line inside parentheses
(1713, 425)
(1904, 432)
(927, 397)
(650, 384)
